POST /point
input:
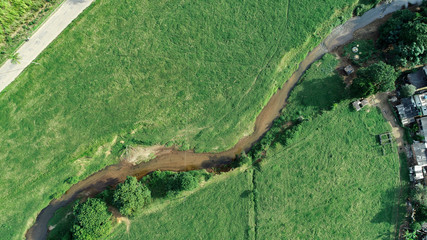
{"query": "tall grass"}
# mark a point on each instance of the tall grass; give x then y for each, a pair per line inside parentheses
(191, 73)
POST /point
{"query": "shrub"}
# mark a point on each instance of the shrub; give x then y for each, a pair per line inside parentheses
(131, 196)
(92, 220)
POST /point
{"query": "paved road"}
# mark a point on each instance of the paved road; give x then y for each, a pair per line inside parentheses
(55, 24)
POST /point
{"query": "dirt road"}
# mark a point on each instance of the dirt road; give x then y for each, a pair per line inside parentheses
(55, 24)
(381, 100)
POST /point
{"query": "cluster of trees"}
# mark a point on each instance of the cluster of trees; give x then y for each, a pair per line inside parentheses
(167, 183)
(419, 196)
(92, 220)
(404, 37)
(378, 77)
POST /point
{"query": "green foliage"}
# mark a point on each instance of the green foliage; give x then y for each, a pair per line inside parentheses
(168, 183)
(390, 32)
(378, 77)
(92, 220)
(72, 180)
(131, 196)
(407, 32)
(410, 235)
(408, 90)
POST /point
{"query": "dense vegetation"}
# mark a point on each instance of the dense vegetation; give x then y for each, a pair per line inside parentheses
(131, 196)
(91, 220)
(18, 18)
(404, 37)
(193, 74)
(378, 77)
(306, 187)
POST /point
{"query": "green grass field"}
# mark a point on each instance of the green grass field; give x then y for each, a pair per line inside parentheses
(194, 74)
(205, 214)
(332, 180)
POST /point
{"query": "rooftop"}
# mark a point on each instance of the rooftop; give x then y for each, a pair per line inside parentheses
(418, 78)
(419, 151)
(407, 110)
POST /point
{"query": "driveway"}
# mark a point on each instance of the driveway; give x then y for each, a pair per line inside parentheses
(54, 25)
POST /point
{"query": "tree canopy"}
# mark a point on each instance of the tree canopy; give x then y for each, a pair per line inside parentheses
(408, 90)
(131, 196)
(378, 77)
(92, 220)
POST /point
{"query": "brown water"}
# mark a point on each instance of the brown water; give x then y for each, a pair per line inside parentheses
(171, 159)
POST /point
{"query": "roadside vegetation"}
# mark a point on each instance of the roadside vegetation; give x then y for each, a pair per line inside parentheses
(146, 73)
(18, 19)
(326, 165)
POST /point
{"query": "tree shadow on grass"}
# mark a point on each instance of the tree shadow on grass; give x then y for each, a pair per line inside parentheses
(320, 93)
(388, 212)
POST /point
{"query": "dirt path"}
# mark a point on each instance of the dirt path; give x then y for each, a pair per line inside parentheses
(381, 100)
(171, 159)
(55, 24)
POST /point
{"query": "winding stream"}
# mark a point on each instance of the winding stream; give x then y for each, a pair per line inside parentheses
(171, 159)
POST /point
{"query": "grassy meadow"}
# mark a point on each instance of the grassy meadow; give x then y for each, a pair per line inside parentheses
(204, 214)
(330, 180)
(193, 74)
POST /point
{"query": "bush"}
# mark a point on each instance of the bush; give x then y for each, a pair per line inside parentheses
(167, 183)
(408, 90)
(92, 220)
(131, 196)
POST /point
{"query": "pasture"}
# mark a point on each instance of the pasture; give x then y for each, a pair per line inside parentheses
(331, 179)
(193, 74)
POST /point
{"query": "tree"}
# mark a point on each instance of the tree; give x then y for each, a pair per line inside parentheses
(186, 181)
(408, 90)
(378, 77)
(131, 196)
(92, 220)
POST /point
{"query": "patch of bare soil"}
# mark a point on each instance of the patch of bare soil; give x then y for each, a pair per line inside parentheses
(139, 154)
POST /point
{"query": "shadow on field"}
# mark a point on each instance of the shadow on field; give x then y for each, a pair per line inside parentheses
(387, 213)
(333, 92)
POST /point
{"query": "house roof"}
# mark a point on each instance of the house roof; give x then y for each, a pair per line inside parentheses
(423, 126)
(407, 110)
(420, 153)
(421, 102)
(418, 78)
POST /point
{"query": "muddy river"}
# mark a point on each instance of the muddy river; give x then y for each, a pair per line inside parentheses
(170, 159)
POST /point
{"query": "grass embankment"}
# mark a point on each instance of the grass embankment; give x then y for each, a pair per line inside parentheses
(331, 180)
(194, 74)
(18, 19)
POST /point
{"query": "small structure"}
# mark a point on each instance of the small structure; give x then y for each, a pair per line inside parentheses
(422, 123)
(420, 154)
(419, 79)
(385, 138)
(359, 104)
(407, 111)
(349, 70)
(421, 102)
